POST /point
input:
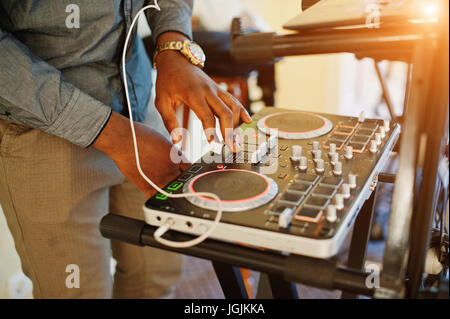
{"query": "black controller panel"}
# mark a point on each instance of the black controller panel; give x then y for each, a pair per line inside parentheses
(321, 184)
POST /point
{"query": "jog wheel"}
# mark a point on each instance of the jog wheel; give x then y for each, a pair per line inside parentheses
(239, 190)
(295, 125)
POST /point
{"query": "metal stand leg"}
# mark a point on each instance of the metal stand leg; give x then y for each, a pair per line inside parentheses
(275, 287)
(230, 279)
(281, 289)
(360, 238)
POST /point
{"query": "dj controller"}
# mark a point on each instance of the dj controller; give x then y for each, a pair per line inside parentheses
(296, 186)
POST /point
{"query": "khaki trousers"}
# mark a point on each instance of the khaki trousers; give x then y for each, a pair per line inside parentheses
(54, 194)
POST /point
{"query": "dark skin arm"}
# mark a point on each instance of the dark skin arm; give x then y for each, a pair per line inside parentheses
(178, 82)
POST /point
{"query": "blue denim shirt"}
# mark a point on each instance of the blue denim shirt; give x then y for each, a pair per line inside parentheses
(65, 81)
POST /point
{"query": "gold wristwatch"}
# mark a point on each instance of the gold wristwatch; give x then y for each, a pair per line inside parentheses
(191, 50)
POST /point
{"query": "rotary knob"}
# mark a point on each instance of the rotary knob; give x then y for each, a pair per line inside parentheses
(320, 166)
(315, 145)
(348, 152)
(346, 189)
(332, 149)
(331, 213)
(373, 146)
(296, 153)
(334, 158)
(337, 168)
(303, 165)
(317, 155)
(352, 180)
(382, 132)
(339, 201)
(378, 138)
(362, 117)
(387, 125)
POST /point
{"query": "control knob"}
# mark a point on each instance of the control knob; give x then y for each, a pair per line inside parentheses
(373, 146)
(352, 180)
(331, 213)
(334, 158)
(315, 145)
(339, 201)
(296, 153)
(348, 152)
(387, 125)
(303, 165)
(346, 189)
(320, 166)
(337, 168)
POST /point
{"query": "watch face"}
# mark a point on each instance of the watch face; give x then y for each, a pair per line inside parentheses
(197, 52)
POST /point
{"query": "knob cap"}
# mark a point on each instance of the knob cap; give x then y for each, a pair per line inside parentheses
(303, 165)
(331, 213)
(337, 168)
(373, 146)
(352, 180)
(348, 152)
(317, 154)
(362, 117)
(315, 145)
(285, 218)
(339, 201)
(382, 132)
(378, 138)
(296, 152)
(332, 148)
(334, 158)
(320, 166)
(346, 189)
(387, 125)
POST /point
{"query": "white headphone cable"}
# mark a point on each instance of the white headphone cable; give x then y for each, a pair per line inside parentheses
(169, 222)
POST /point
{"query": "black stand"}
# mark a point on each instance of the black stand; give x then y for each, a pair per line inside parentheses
(279, 272)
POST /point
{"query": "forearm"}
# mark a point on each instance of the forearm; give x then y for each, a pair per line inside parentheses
(34, 93)
(175, 16)
(115, 137)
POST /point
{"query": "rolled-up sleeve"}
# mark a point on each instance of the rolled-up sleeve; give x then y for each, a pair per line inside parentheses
(34, 93)
(175, 15)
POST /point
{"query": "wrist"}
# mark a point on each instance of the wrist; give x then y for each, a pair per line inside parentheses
(171, 36)
(115, 136)
(169, 55)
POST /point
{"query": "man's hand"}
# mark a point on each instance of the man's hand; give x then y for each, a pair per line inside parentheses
(180, 82)
(154, 153)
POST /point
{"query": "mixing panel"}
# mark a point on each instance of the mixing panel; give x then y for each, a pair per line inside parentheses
(296, 186)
